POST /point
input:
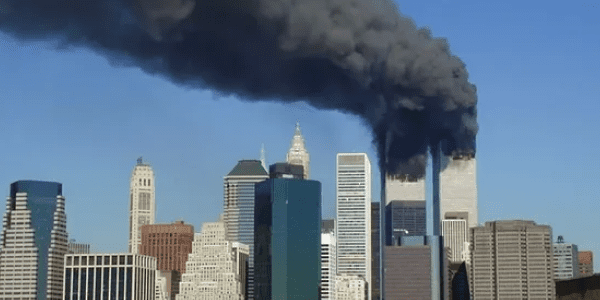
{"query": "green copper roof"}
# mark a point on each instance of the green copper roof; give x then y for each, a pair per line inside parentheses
(248, 167)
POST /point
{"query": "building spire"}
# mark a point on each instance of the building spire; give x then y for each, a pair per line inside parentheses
(298, 155)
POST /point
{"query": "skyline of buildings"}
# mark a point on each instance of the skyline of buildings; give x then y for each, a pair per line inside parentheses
(142, 202)
(405, 219)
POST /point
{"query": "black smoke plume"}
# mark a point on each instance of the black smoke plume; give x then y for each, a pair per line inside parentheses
(355, 56)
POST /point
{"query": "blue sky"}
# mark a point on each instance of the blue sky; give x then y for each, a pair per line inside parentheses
(71, 116)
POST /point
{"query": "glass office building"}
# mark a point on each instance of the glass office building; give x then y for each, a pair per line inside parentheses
(33, 241)
(287, 257)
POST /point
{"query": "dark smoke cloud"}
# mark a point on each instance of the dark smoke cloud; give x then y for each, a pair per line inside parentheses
(355, 56)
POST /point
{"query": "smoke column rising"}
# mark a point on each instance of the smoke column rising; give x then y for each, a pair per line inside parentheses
(356, 56)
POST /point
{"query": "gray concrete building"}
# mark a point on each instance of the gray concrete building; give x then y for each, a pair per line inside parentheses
(512, 260)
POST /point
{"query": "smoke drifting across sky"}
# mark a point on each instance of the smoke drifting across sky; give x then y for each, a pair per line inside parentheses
(355, 56)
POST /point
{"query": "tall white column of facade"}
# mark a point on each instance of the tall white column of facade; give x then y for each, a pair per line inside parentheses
(353, 210)
(298, 155)
(328, 268)
(455, 238)
(142, 202)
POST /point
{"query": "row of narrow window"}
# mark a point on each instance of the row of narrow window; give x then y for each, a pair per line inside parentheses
(146, 182)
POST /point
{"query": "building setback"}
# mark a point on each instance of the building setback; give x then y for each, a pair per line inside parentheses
(238, 200)
(170, 244)
(512, 260)
(109, 276)
(586, 263)
(33, 241)
(142, 202)
(353, 211)
(216, 268)
(288, 239)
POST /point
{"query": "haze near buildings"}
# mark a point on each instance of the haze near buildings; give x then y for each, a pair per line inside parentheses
(142, 202)
(353, 211)
(33, 241)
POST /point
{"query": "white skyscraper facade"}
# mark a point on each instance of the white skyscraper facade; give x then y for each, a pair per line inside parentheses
(298, 155)
(566, 260)
(353, 210)
(33, 241)
(455, 234)
(215, 268)
(142, 203)
(458, 187)
(328, 268)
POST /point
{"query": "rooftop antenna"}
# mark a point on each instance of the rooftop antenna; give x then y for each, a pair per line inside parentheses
(139, 160)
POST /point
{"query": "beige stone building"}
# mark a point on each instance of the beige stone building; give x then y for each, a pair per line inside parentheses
(511, 260)
(350, 287)
(216, 268)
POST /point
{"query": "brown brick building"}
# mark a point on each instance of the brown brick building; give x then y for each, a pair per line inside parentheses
(586, 263)
(170, 244)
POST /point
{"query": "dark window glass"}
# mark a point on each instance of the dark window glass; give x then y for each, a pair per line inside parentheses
(76, 261)
(114, 260)
(82, 289)
(129, 281)
(90, 287)
(68, 282)
(98, 283)
(75, 284)
(84, 260)
(121, 283)
(105, 283)
(99, 260)
(107, 260)
(130, 259)
(69, 261)
(122, 259)
(113, 282)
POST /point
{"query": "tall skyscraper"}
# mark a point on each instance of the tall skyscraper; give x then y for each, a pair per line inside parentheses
(33, 241)
(298, 155)
(216, 267)
(238, 199)
(287, 243)
(353, 211)
(566, 262)
(586, 263)
(458, 187)
(142, 203)
(109, 276)
(512, 260)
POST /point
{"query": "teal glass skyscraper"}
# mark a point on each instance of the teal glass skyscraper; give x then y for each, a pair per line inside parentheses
(287, 257)
(33, 241)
